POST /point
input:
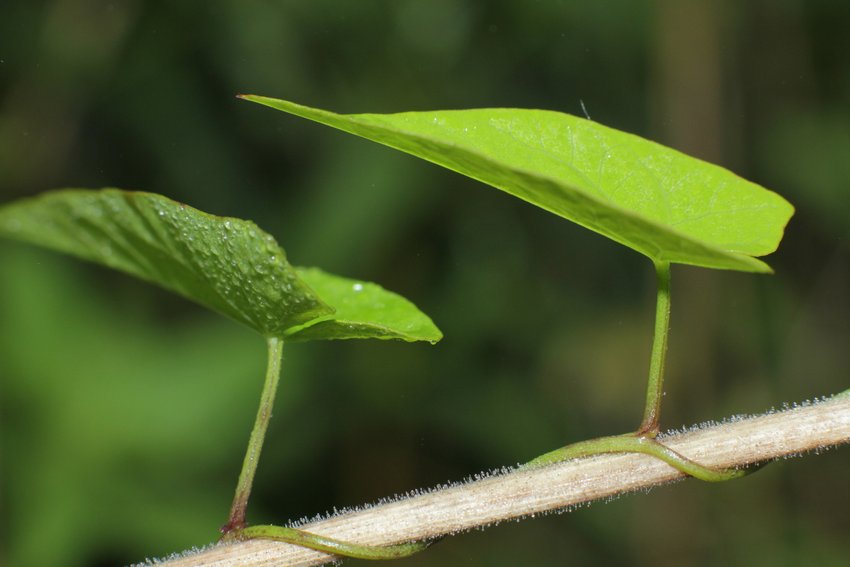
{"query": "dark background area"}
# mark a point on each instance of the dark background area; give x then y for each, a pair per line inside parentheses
(124, 410)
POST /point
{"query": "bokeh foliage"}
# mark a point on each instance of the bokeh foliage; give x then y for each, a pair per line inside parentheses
(124, 410)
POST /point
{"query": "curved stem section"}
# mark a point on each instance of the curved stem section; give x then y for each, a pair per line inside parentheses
(631, 443)
(236, 520)
(643, 440)
(235, 529)
(329, 545)
(655, 384)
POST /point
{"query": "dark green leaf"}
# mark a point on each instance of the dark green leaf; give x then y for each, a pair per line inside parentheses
(226, 264)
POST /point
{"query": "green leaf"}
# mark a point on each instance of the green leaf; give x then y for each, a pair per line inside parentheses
(226, 264)
(660, 202)
(363, 310)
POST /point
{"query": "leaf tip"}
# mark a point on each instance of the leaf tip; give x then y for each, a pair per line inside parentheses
(250, 97)
(759, 267)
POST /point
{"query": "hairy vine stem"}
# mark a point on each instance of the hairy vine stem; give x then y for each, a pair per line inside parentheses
(737, 442)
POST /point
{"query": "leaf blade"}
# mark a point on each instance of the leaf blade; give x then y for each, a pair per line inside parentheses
(664, 204)
(226, 264)
(363, 310)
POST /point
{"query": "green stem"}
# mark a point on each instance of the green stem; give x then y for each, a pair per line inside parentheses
(632, 443)
(236, 521)
(655, 384)
(643, 440)
(235, 528)
(329, 545)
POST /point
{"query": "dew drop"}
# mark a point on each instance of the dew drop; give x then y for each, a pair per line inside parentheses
(357, 287)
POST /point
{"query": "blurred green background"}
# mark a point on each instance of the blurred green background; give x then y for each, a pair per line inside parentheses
(124, 411)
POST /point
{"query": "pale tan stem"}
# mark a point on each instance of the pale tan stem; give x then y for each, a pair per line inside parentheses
(533, 491)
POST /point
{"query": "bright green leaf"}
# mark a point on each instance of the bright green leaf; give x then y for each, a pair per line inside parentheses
(660, 202)
(226, 264)
(363, 310)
